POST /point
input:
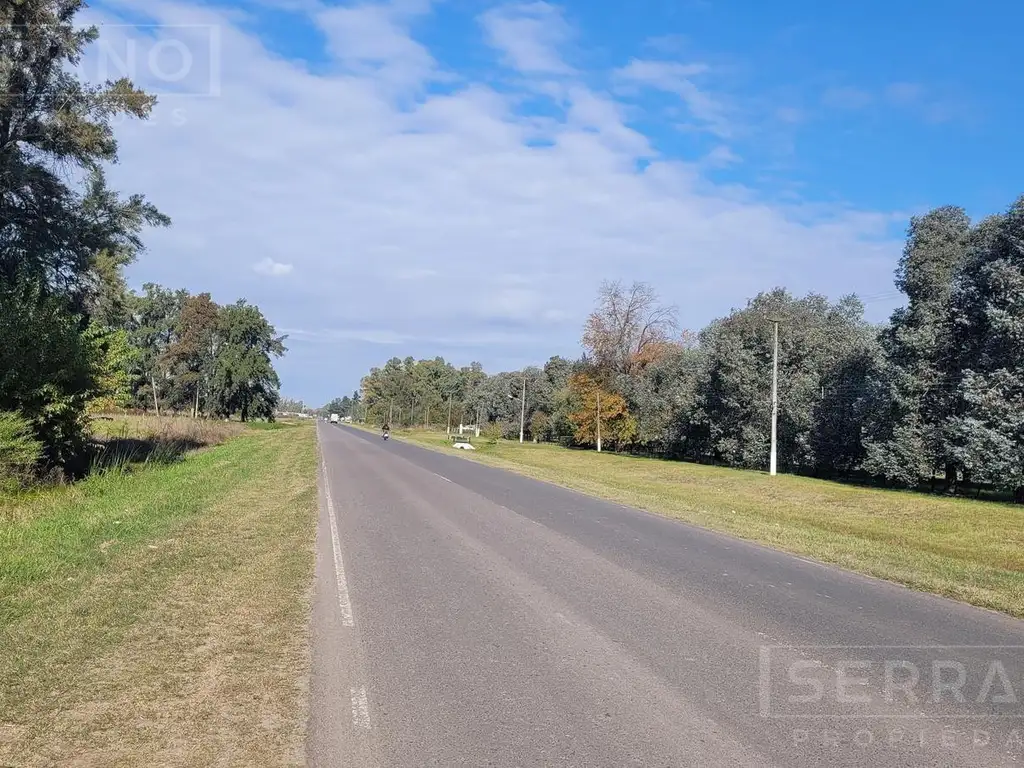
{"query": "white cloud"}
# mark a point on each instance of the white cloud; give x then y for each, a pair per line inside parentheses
(677, 78)
(529, 36)
(931, 106)
(904, 93)
(373, 39)
(916, 99)
(591, 112)
(661, 74)
(721, 156)
(791, 115)
(360, 174)
(273, 268)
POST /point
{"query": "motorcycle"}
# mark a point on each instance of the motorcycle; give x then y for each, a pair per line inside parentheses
(386, 435)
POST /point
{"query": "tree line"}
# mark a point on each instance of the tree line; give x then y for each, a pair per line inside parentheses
(346, 406)
(184, 354)
(73, 337)
(933, 398)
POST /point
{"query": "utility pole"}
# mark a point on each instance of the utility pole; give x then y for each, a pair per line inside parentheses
(449, 431)
(522, 413)
(599, 419)
(775, 399)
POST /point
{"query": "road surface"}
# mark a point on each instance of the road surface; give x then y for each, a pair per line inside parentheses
(466, 616)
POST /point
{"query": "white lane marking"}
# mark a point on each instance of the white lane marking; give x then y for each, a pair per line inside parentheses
(360, 708)
(339, 567)
(441, 476)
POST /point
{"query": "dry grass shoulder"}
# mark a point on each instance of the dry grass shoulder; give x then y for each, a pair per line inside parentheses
(126, 441)
(148, 427)
(160, 617)
(964, 549)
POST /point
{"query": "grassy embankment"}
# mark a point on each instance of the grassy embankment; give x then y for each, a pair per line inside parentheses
(156, 613)
(964, 549)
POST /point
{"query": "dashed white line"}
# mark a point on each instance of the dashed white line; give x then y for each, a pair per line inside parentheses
(360, 708)
(441, 476)
(339, 567)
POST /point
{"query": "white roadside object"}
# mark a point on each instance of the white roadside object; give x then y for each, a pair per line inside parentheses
(465, 446)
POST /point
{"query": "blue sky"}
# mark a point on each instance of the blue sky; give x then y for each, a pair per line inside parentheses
(456, 177)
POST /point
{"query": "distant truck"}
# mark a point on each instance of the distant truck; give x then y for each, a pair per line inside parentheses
(334, 418)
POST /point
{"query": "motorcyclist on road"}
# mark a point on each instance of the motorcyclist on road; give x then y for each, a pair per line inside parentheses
(385, 430)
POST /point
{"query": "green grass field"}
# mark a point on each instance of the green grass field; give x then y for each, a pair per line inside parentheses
(159, 615)
(964, 549)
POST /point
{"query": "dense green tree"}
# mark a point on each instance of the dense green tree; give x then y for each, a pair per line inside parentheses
(58, 219)
(816, 339)
(244, 381)
(431, 381)
(381, 387)
(51, 122)
(911, 391)
(840, 415)
(116, 363)
(478, 395)
(193, 351)
(348, 405)
(155, 316)
(20, 451)
(48, 370)
(663, 399)
(337, 405)
(291, 405)
(985, 432)
(107, 296)
(557, 371)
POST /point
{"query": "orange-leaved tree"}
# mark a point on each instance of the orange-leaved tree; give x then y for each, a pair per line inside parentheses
(617, 425)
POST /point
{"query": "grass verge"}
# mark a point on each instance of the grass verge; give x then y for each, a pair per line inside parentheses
(160, 617)
(201, 431)
(125, 442)
(968, 550)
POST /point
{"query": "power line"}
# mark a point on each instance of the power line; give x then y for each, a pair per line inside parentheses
(874, 298)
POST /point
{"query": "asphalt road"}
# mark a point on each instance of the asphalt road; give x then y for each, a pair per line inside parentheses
(466, 616)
